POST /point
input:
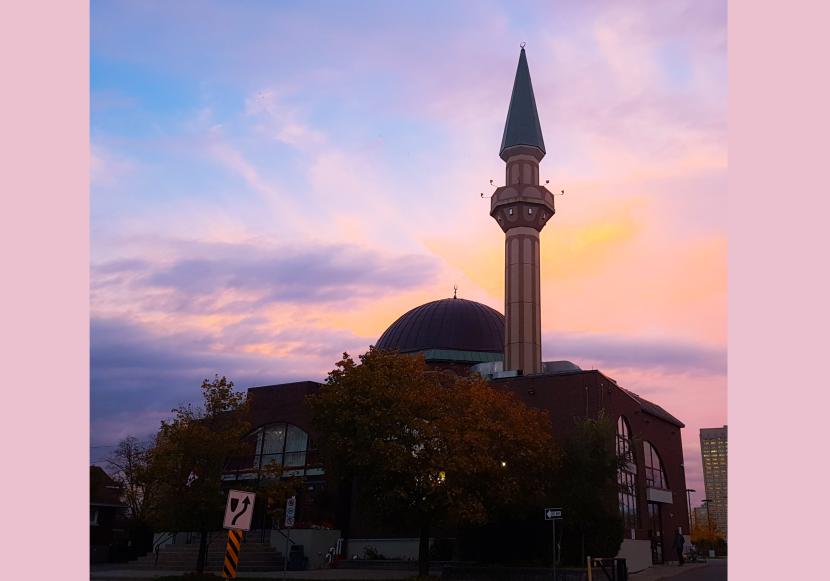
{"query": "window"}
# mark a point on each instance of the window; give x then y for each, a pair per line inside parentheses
(281, 444)
(655, 475)
(626, 475)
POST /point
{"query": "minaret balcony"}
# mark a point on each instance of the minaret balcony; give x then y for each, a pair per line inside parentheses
(522, 205)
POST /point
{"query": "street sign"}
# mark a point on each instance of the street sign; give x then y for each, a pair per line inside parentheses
(553, 513)
(290, 510)
(239, 510)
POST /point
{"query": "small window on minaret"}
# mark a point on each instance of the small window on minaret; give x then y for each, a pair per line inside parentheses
(530, 210)
(510, 211)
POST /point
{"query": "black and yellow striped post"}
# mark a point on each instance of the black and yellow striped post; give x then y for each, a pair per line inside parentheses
(232, 553)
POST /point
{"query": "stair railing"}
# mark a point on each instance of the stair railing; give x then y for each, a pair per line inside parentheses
(157, 546)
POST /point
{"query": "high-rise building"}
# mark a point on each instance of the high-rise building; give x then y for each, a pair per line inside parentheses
(713, 448)
(699, 516)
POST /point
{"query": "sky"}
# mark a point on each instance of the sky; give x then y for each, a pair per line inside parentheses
(274, 183)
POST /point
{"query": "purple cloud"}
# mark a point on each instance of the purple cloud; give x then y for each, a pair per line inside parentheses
(664, 355)
(138, 373)
(262, 276)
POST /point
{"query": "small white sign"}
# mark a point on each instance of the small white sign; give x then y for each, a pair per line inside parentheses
(553, 513)
(290, 511)
(239, 510)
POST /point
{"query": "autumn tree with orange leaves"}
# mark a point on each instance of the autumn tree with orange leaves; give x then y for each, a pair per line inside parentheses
(428, 445)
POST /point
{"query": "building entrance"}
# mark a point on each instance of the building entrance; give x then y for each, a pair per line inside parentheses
(655, 532)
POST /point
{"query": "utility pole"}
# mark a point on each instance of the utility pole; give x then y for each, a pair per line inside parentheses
(689, 501)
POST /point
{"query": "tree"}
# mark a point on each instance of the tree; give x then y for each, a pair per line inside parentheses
(429, 445)
(705, 537)
(189, 458)
(130, 467)
(587, 488)
(275, 490)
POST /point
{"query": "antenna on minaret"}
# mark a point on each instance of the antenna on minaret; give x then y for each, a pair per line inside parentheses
(492, 185)
(455, 291)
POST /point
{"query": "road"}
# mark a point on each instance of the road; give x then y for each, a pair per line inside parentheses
(714, 571)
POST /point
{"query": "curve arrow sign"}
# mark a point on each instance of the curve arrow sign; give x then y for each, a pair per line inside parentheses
(239, 517)
(245, 504)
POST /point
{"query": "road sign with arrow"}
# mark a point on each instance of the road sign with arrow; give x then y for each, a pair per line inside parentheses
(239, 510)
(553, 513)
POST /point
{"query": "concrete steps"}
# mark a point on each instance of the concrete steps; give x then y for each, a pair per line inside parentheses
(182, 557)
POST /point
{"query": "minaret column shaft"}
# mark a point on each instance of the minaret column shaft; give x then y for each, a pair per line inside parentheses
(523, 318)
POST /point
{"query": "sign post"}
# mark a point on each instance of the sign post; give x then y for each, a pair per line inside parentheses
(290, 511)
(232, 549)
(238, 513)
(553, 515)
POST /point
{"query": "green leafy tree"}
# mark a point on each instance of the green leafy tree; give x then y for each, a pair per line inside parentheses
(190, 455)
(586, 485)
(429, 445)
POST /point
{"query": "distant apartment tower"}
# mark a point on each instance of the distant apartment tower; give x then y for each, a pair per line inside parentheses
(699, 518)
(713, 448)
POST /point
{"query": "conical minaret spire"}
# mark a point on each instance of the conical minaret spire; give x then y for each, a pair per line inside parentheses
(522, 207)
(522, 127)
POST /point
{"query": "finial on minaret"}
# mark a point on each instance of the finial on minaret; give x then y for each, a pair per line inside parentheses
(455, 291)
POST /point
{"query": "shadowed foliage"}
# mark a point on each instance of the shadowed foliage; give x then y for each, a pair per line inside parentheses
(429, 446)
(188, 460)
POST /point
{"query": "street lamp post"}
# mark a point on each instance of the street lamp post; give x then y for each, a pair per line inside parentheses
(707, 501)
(689, 502)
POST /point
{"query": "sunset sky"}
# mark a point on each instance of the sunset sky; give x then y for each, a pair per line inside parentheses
(275, 183)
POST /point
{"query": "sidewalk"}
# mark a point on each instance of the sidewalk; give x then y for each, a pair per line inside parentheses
(322, 574)
(656, 572)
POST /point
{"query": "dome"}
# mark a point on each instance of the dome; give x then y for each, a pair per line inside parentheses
(447, 324)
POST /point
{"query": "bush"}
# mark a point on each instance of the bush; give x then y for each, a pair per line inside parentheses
(372, 554)
(441, 550)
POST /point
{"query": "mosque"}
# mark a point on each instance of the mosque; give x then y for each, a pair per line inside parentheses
(463, 335)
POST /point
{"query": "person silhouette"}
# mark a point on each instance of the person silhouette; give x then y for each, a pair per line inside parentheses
(679, 543)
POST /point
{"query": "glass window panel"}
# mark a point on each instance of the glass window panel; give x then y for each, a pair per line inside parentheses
(258, 443)
(655, 475)
(274, 439)
(295, 458)
(297, 440)
(271, 459)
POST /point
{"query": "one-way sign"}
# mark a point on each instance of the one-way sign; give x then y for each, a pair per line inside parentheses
(553, 513)
(239, 510)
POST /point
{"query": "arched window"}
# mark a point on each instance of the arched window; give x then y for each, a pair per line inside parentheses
(624, 448)
(626, 475)
(655, 475)
(281, 444)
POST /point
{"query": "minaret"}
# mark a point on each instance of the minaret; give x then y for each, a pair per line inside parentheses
(522, 207)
